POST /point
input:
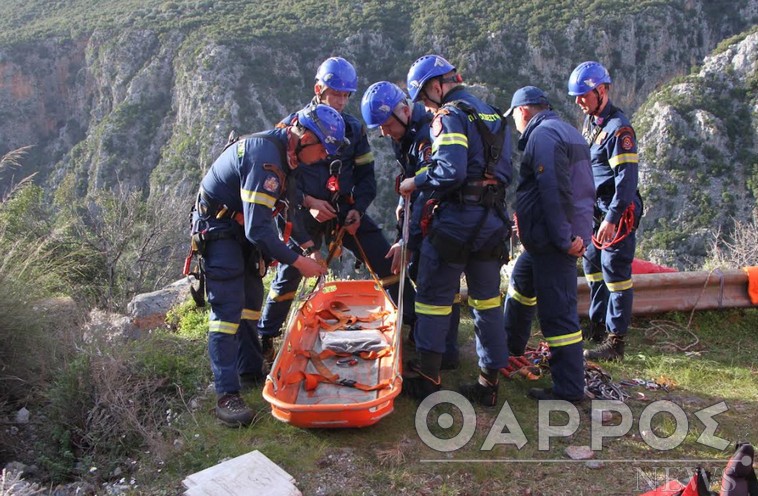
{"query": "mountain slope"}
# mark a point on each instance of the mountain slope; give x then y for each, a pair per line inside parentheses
(142, 94)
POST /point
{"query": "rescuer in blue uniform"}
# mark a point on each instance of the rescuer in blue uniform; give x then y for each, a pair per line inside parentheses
(618, 208)
(554, 207)
(236, 238)
(468, 175)
(332, 195)
(384, 105)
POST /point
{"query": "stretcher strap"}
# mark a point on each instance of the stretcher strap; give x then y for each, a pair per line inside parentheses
(325, 375)
(366, 355)
(336, 317)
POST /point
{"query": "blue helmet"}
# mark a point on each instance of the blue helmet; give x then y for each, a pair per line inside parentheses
(586, 77)
(378, 102)
(327, 124)
(423, 69)
(338, 74)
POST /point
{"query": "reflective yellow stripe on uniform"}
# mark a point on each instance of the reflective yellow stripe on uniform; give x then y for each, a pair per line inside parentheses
(258, 198)
(224, 327)
(524, 300)
(248, 314)
(564, 340)
(364, 159)
(425, 309)
(623, 158)
(594, 277)
(619, 286)
(487, 304)
(423, 169)
(273, 295)
(450, 139)
(486, 117)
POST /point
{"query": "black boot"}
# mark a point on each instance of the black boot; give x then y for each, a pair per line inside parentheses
(596, 332)
(484, 390)
(232, 410)
(422, 376)
(611, 349)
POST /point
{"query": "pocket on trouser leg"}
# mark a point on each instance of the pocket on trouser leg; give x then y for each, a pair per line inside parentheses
(224, 259)
(450, 250)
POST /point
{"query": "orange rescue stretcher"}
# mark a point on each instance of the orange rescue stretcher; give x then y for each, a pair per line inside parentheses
(340, 363)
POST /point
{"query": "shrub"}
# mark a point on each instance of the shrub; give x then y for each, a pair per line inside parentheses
(738, 250)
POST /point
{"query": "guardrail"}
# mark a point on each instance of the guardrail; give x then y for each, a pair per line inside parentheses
(675, 292)
(681, 292)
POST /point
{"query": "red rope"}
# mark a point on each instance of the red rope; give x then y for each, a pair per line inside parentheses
(624, 227)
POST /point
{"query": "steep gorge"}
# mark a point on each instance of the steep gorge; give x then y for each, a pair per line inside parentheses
(148, 105)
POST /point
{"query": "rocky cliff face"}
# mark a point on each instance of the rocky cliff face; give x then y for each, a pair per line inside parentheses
(699, 155)
(150, 109)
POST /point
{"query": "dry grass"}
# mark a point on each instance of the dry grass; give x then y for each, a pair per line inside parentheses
(739, 251)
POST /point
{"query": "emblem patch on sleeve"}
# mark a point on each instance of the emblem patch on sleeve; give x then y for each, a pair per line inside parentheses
(627, 142)
(425, 151)
(271, 184)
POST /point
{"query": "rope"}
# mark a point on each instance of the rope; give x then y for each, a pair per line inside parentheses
(374, 276)
(599, 384)
(623, 229)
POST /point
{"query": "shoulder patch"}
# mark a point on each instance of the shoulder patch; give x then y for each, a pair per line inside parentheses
(425, 151)
(271, 184)
(626, 138)
(627, 143)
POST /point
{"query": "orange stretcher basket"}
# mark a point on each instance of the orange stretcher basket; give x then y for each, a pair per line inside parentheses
(339, 365)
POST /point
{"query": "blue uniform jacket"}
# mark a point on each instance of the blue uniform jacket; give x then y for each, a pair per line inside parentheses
(613, 147)
(413, 153)
(356, 176)
(248, 177)
(556, 195)
(458, 158)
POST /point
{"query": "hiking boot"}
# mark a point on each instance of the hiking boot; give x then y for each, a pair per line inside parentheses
(482, 391)
(422, 376)
(611, 349)
(595, 332)
(540, 394)
(232, 411)
(419, 386)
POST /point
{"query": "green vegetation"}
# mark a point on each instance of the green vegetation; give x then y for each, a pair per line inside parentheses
(142, 410)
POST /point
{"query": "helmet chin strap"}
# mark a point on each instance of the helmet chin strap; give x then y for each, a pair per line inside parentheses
(293, 146)
(598, 106)
(437, 103)
(403, 123)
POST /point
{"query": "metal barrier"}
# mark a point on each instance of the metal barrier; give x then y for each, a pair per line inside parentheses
(681, 292)
(675, 292)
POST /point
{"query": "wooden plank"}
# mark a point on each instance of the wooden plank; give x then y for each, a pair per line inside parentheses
(251, 473)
